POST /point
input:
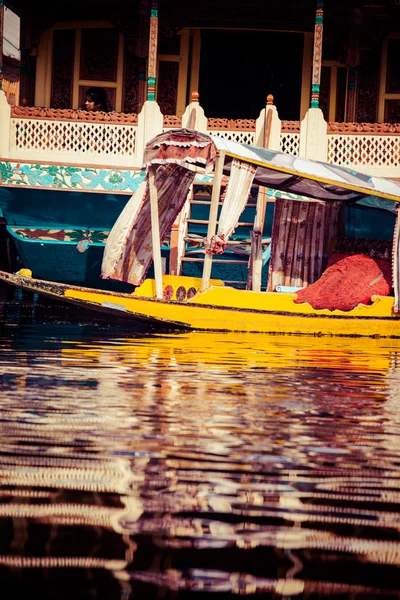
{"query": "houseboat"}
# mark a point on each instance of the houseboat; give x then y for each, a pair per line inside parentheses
(329, 70)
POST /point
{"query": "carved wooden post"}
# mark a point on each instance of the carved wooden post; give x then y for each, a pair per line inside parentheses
(194, 117)
(268, 126)
(150, 119)
(313, 128)
(150, 124)
(317, 56)
(1, 41)
(152, 62)
(142, 46)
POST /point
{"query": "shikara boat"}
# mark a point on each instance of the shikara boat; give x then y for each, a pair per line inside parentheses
(314, 195)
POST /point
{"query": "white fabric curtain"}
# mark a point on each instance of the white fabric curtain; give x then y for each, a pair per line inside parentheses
(237, 193)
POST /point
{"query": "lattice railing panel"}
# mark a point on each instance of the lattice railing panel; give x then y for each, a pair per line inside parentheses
(290, 143)
(364, 150)
(89, 139)
(244, 137)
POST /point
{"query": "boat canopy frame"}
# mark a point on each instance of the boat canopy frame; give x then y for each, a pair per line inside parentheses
(302, 178)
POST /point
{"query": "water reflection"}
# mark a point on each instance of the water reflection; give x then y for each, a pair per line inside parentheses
(153, 466)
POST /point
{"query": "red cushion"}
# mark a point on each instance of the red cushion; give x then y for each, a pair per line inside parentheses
(347, 282)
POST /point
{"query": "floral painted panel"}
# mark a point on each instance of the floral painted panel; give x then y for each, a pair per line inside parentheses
(69, 178)
(60, 235)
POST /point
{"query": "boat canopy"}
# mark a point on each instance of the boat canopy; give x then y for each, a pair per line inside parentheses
(172, 160)
(276, 170)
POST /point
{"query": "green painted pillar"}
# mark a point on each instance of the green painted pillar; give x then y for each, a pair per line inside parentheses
(152, 62)
(317, 56)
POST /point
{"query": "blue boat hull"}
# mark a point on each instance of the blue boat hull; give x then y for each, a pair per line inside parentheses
(60, 235)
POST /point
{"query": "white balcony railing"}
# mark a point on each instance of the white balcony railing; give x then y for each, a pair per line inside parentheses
(373, 148)
(68, 136)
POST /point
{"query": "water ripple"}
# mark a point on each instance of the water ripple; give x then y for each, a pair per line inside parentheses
(140, 465)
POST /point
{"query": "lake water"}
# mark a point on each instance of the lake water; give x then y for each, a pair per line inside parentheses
(141, 466)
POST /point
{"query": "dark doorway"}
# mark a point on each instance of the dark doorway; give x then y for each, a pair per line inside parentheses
(238, 69)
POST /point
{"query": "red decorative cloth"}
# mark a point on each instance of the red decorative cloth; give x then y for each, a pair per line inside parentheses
(347, 282)
(183, 146)
(217, 244)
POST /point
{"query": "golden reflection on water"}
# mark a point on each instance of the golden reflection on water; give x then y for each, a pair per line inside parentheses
(232, 463)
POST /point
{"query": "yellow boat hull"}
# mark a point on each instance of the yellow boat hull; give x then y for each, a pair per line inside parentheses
(222, 308)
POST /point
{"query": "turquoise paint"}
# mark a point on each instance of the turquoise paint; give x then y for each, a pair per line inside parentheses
(53, 209)
(362, 222)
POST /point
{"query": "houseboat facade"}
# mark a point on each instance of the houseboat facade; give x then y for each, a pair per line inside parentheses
(311, 78)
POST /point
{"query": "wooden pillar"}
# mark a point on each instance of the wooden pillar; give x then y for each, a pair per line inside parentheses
(142, 46)
(353, 62)
(152, 62)
(27, 75)
(155, 232)
(1, 42)
(317, 56)
(256, 260)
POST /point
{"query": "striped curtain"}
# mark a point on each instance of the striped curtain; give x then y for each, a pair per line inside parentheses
(303, 235)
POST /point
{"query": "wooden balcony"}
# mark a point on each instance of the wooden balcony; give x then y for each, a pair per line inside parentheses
(117, 140)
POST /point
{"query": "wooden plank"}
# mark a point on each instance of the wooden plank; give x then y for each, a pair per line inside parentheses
(155, 232)
(195, 62)
(204, 222)
(217, 260)
(256, 261)
(183, 71)
(77, 61)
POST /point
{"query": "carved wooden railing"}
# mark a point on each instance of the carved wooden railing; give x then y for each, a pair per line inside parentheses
(290, 137)
(172, 122)
(369, 147)
(237, 130)
(11, 90)
(75, 136)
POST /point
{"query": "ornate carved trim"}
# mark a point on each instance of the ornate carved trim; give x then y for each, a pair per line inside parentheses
(173, 121)
(232, 124)
(373, 128)
(290, 127)
(66, 114)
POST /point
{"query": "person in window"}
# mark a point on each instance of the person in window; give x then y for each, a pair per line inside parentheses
(95, 100)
